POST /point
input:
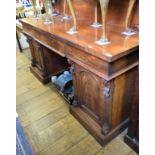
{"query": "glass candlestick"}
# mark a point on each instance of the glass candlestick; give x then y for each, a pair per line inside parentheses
(73, 30)
(128, 30)
(104, 9)
(96, 24)
(65, 17)
(35, 12)
(48, 10)
(54, 11)
(38, 8)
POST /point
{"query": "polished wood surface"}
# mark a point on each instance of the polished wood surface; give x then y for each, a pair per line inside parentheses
(86, 37)
(103, 76)
(94, 61)
(47, 123)
(117, 11)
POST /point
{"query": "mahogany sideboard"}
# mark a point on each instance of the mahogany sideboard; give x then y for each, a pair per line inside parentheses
(103, 76)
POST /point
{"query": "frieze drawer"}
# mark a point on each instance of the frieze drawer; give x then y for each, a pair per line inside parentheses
(90, 61)
(47, 40)
(52, 43)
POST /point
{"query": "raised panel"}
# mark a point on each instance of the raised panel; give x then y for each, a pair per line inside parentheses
(89, 93)
(37, 52)
(30, 41)
(122, 96)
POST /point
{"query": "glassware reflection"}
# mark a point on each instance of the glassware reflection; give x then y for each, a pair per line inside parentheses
(73, 30)
(35, 11)
(48, 10)
(65, 16)
(96, 24)
(128, 30)
(55, 12)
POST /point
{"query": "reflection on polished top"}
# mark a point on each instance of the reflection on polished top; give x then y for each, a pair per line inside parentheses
(85, 38)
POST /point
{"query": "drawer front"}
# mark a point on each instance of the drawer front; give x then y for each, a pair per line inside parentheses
(50, 42)
(31, 31)
(89, 60)
(56, 45)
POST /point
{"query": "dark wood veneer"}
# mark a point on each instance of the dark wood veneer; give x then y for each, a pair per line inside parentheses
(103, 76)
(132, 136)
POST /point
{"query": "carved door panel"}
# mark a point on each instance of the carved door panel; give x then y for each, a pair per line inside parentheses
(30, 41)
(39, 57)
(36, 52)
(89, 93)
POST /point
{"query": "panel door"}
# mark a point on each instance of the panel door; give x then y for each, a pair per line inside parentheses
(39, 58)
(89, 89)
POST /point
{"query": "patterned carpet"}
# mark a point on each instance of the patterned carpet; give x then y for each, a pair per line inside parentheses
(22, 145)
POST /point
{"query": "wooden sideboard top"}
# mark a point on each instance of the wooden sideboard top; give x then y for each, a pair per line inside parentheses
(85, 38)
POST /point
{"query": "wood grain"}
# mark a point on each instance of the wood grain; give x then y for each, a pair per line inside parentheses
(86, 37)
(56, 131)
(103, 75)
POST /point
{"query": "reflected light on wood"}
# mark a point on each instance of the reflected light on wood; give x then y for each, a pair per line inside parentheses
(128, 29)
(96, 24)
(48, 17)
(65, 7)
